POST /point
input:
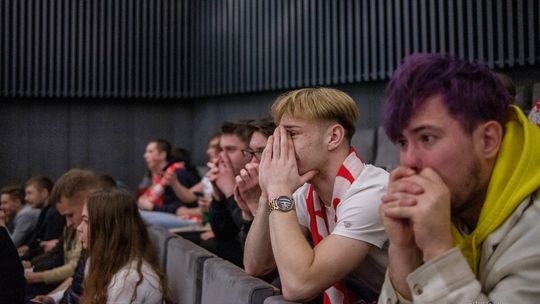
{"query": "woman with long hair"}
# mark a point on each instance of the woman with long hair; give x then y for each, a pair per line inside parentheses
(122, 266)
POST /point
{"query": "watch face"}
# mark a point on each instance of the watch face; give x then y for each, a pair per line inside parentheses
(284, 203)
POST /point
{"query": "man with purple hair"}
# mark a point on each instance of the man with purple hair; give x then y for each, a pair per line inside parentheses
(461, 212)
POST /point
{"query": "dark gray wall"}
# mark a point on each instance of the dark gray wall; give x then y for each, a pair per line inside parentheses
(129, 71)
(47, 136)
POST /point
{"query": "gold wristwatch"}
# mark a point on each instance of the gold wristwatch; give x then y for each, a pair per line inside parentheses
(282, 203)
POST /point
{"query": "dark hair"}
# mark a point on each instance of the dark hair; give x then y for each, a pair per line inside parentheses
(471, 92)
(41, 182)
(182, 155)
(106, 181)
(266, 126)
(15, 192)
(240, 128)
(163, 145)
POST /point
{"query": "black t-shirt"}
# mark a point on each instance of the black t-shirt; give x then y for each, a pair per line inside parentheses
(171, 202)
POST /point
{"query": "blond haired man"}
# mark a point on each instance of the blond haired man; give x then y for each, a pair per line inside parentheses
(314, 184)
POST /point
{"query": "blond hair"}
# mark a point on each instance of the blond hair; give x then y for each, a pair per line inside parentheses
(323, 104)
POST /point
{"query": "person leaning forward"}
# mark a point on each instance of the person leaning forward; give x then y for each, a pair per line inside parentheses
(313, 183)
(462, 210)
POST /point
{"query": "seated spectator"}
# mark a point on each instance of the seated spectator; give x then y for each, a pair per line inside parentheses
(187, 195)
(204, 189)
(70, 291)
(50, 223)
(106, 181)
(126, 268)
(224, 213)
(247, 190)
(20, 218)
(314, 184)
(12, 281)
(159, 202)
(69, 195)
(461, 212)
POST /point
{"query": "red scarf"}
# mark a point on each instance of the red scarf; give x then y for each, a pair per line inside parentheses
(318, 221)
(154, 193)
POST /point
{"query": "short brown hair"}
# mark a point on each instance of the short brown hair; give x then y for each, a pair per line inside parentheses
(322, 104)
(41, 182)
(240, 128)
(266, 126)
(15, 192)
(73, 182)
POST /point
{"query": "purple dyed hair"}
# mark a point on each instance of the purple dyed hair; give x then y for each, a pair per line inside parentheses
(471, 92)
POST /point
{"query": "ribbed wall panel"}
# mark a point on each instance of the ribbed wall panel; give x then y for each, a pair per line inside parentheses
(194, 48)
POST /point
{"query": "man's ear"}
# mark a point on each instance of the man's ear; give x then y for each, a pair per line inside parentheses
(490, 136)
(336, 135)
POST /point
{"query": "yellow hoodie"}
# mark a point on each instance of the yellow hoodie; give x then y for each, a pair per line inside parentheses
(515, 176)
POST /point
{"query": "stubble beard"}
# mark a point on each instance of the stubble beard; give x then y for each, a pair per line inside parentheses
(467, 206)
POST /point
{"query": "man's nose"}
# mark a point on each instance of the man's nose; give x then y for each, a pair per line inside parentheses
(410, 157)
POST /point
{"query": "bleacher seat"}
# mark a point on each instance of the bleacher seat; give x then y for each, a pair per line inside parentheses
(226, 283)
(364, 143)
(185, 262)
(160, 238)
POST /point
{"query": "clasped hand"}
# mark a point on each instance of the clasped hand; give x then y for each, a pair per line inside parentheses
(247, 191)
(416, 212)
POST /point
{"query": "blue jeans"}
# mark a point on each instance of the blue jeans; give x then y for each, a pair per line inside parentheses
(165, 219)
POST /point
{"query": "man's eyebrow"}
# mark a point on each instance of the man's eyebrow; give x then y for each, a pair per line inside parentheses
(289, 127)
(422, 128)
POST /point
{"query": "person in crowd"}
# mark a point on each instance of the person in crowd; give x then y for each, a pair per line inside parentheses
(314, 184)
(107, 181)
(160, 202)
(182, 155)
(20, 218)
(122, 267)
(70, 291)
(50, 224)
(69, 195)
(247, 190)
(461, 212)
(203, 191)
(12, 282)
(224, 213)
(213, 149)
